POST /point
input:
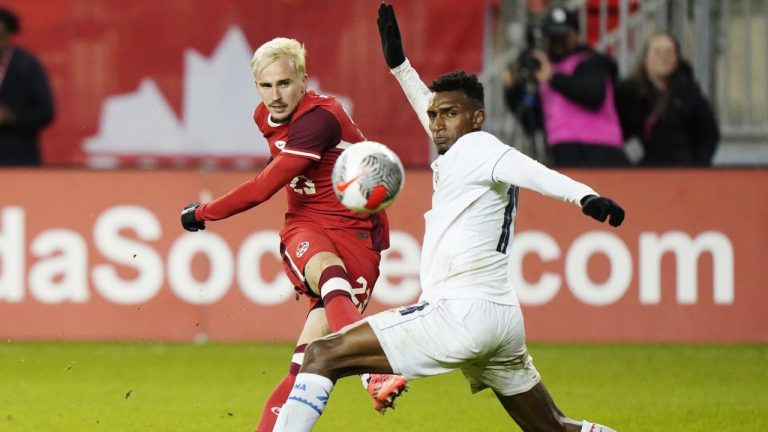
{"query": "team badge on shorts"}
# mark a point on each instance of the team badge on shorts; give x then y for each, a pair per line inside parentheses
(302, 249)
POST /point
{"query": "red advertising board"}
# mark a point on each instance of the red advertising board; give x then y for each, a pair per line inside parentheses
(101, 255)
(169, 83)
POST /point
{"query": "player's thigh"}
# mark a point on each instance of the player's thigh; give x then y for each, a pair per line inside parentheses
(353, 350)
(300, 244)
(426, 339)
(534, 410)
(508, 368)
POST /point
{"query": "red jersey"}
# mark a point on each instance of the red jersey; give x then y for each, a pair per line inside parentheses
(319, 130)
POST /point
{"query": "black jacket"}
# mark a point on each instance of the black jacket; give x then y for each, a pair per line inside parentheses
(685, 133)
(25, 91)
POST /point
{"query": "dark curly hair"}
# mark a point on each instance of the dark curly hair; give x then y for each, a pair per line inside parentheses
(467, 83)
(10, 19)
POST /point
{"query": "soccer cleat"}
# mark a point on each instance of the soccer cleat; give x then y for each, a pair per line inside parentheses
(384, 389)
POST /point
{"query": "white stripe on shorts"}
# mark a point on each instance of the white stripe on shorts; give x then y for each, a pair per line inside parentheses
(293, 266)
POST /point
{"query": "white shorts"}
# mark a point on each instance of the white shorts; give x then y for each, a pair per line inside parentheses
(485, 340)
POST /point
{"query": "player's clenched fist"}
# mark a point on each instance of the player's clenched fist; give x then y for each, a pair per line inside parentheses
(601, 208)
(188, 220)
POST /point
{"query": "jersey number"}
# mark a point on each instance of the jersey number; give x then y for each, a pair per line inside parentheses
(303, 186)
(361, 294)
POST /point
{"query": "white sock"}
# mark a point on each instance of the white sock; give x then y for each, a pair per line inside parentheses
(365, 378)
(305, 403)
(594, 427)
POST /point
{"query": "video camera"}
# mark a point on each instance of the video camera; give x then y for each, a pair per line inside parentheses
(526, 64)
(523, 99)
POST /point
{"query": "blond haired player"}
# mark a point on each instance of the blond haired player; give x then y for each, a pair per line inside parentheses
(329, 253)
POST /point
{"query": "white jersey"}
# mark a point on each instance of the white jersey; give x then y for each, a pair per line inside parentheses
(470, 226)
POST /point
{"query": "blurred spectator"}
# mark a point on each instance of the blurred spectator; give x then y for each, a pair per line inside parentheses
(26, 105)
(576, 92)
(662, 105)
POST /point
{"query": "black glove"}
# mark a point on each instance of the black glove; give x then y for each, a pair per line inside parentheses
(601, 207)
(390, 36)
(188, 219)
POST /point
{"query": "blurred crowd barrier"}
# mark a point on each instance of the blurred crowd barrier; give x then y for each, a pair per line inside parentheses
(101, 255)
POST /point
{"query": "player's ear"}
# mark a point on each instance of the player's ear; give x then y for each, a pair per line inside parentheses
(478, 118)
(304, 81)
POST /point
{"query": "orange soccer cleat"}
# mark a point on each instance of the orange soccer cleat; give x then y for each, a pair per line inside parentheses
(384, 389)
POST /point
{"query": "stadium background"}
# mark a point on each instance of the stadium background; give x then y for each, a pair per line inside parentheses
(154, 101)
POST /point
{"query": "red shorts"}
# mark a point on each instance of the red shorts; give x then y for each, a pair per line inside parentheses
(299, 242)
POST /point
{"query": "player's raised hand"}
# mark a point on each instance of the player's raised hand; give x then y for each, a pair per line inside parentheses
(601, 208)
(391, 42)
(188, 219)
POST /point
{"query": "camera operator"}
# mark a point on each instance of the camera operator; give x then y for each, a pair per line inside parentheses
(575, 89)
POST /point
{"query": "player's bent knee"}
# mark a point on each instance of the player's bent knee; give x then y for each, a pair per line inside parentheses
(316, 265)
(321, 261)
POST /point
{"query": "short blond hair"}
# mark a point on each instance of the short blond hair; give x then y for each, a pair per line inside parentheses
(277, 48)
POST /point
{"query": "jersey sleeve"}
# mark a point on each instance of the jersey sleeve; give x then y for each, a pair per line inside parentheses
(312, 134)
(486, 159)
(256, 190)
(515, 168)
(416, 91)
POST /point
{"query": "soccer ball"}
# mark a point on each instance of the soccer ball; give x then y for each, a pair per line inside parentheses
(367, 177)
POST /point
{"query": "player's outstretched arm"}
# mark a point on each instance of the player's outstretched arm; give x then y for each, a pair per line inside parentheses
(416, 91)
(518, 169)
(249, 194)
(515, 168)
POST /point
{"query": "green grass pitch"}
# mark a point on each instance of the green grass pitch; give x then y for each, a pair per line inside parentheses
(125, 387)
